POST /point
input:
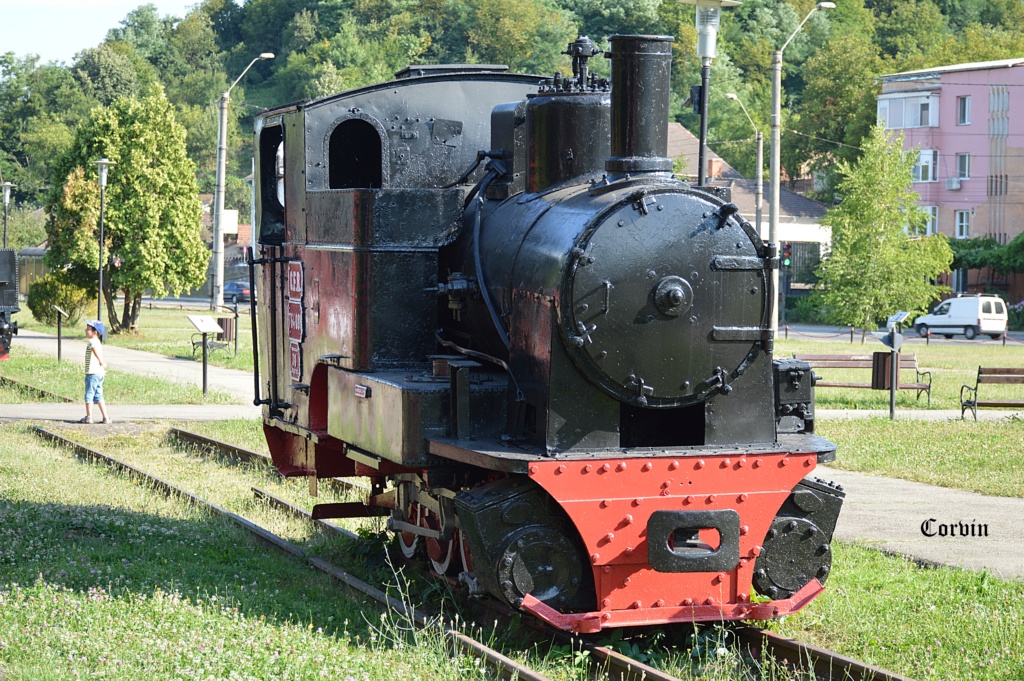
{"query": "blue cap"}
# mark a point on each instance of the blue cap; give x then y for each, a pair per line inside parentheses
(100, 327)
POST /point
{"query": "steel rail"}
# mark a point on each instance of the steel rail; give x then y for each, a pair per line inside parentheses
(505, 666)
(279, 503)
(228, 449)
(4, 380)
(826, 664)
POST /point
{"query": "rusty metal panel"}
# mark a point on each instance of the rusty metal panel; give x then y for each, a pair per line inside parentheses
(373, 309)
(419, 218)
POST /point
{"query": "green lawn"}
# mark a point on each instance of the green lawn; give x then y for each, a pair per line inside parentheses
(67, 378)
(984, 456)
(952, 365)
(165, 331)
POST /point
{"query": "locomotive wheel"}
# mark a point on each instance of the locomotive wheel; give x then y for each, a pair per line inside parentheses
(464, 558)
(407, 541)
(442, 554)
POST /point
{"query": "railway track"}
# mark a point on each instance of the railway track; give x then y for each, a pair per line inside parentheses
(39, 392)
(806, 661)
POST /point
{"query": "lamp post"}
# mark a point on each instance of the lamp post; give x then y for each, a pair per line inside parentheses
(103, 164)
(759, 138)
(7, 202)
(708, 19)
(217, 290)
(774, 170)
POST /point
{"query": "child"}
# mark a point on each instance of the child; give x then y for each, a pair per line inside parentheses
(95, 370)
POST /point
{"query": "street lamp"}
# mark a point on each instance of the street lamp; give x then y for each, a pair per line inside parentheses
(217, 292)
(759, 138)
(774, 174)
(103, 164)
(708, 19)
(7, 201)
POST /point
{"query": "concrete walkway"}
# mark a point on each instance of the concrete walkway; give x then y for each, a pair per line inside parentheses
(120, 413)
(895, 515)
(238, 384)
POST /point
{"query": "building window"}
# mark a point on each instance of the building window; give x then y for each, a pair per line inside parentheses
(927, 164)
(963, 110)
(908, 112)
(963, 166)
(963, 224)
(932, 225)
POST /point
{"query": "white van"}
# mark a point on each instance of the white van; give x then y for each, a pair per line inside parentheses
(969, 315)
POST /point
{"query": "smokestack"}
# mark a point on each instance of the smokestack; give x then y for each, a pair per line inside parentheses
(641, 70)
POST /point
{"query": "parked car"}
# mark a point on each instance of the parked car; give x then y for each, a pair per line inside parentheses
(969, 315)
(236, 292)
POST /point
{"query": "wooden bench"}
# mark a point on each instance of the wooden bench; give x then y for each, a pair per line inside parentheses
(1004, 375)
(906, 363)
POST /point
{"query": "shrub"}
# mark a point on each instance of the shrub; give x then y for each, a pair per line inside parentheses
(1016, 316)
(51, 290)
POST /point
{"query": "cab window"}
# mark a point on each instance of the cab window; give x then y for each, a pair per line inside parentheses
(942, 309)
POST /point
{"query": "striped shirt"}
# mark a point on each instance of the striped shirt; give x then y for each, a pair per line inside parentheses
(90, 366)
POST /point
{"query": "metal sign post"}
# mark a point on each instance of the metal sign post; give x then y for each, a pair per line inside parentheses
(893, 339)
(205, 325)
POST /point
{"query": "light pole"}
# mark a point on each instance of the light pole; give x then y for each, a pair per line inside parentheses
(708, 19)
(7, 202)
(774, 171)
(103, 164)
(759, 138)
(217, 290)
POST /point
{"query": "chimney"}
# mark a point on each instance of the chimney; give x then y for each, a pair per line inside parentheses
(641, 70)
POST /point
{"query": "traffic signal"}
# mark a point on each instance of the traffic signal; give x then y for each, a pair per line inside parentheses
(787, 255)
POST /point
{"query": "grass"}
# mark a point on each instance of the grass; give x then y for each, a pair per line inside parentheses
(925, 623)
(101, 577)
(165, 331)
(67, 378)
(983, 456)
(951, 364)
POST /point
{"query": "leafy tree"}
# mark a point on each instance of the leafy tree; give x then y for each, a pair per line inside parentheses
(838, 104)
(26, 228)
(106, 73)
(912, 28)
(152, 212)
(881, 261)
(53, 289)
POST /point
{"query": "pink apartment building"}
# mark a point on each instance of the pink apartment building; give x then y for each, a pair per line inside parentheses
(970, 171)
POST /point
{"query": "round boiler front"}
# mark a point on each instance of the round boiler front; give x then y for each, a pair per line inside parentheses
(665, 299)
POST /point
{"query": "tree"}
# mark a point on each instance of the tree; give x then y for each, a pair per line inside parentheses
(881, 260)
(838, 106)
(152, 211)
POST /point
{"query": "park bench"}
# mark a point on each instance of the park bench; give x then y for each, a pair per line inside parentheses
(922, 379)
(1006, 376)
(211, 344)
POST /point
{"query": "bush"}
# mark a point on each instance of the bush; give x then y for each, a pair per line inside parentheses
(1015, 313)
(806, 309)
(50, 290)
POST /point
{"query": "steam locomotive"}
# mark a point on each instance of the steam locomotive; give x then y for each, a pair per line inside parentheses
(8, 299)
(487, 293)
